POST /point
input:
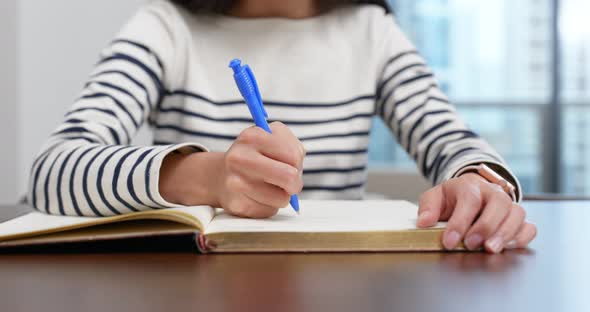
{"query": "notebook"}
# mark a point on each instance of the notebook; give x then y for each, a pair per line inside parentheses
(323, 226)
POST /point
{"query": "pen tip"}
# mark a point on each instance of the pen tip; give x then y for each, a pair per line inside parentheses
(294, 203)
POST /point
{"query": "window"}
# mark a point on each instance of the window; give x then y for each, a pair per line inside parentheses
(497, 61)
(575, 95)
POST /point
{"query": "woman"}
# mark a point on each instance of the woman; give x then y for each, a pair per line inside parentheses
(325, 68)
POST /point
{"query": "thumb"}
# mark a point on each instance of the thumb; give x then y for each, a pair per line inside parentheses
(431, 205)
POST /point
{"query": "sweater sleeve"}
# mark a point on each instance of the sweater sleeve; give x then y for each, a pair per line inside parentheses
(87, 166)
(412, 105)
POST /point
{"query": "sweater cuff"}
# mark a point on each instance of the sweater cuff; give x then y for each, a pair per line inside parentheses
(500, 169)
(154, 170)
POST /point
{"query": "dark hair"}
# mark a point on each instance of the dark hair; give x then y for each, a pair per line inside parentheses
(223, 6)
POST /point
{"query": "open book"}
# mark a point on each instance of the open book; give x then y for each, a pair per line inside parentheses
(373, 225)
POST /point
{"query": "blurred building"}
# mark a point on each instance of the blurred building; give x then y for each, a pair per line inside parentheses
(494, 60)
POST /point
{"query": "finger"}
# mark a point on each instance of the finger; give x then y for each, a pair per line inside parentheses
(257, 167)
(432, 202)
(284, 146)
(267, 194)
(281, 145)
(497, 207)
(467, 206)
(246, 207)
(525, 235)
(508, 229)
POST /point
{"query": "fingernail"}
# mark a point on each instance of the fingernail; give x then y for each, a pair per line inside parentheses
(423, 216)
(451, 240)
(511, 244)
(473, 241)
(495, 244)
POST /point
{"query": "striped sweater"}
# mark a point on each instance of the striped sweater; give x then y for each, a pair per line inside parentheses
(325, 77)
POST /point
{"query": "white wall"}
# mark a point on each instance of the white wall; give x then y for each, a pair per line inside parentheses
(58, 42)
(8, 101)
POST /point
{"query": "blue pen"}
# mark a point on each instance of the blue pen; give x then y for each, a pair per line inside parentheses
(248, 87)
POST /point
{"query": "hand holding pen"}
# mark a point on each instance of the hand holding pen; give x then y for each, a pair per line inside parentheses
(253, 179)
(264, 164)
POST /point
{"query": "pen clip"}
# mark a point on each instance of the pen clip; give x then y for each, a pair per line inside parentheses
(257, 92)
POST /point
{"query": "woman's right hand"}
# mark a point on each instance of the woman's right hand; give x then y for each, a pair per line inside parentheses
(261, 171)
(253, 179)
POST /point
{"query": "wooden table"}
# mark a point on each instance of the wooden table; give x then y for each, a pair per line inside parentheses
(553, 275)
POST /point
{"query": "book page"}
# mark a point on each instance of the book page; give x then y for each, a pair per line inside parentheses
(327, 216)
(36, 223)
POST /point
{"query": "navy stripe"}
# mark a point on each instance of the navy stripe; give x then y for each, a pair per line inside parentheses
(147, 181)
(396, 57)
(74, 121)
(384, 102)
(248, 120)
(448, 160)
(405, 100)
(436, 165)
(333, 170)
(114, 87)
(73, 138)
(335, 135)
(36, 179)
(40, 156)
(102, 110)
(320, 105)
(203, 98)
(337, 152)
(119, 104)
(466, 134)
(413, 110)
(157, 142)
(153, 76)
(143, 47)
(233, 137)
(333, 187)
(413, 79)
(395, 87)
(80, 131)
(419, 92)
(396, 104)
(114, 134)
(270, 103)
(85, 182)
(196, 133)
(72, 194)
(418, 123)
(130, 185)
(185, 112)
(311, 153)
(99, 181)
(439, 125)
(60, 178)
(46, 188)
(126, 75)
(394, 75)
(326, 121)
(116, 174)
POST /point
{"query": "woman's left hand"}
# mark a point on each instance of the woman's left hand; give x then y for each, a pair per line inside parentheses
(478, 212)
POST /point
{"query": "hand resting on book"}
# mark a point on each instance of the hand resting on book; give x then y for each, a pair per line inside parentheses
(478, 212)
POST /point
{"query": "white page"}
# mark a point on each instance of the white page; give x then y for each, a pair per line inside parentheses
(36, 222)
(327, 216)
